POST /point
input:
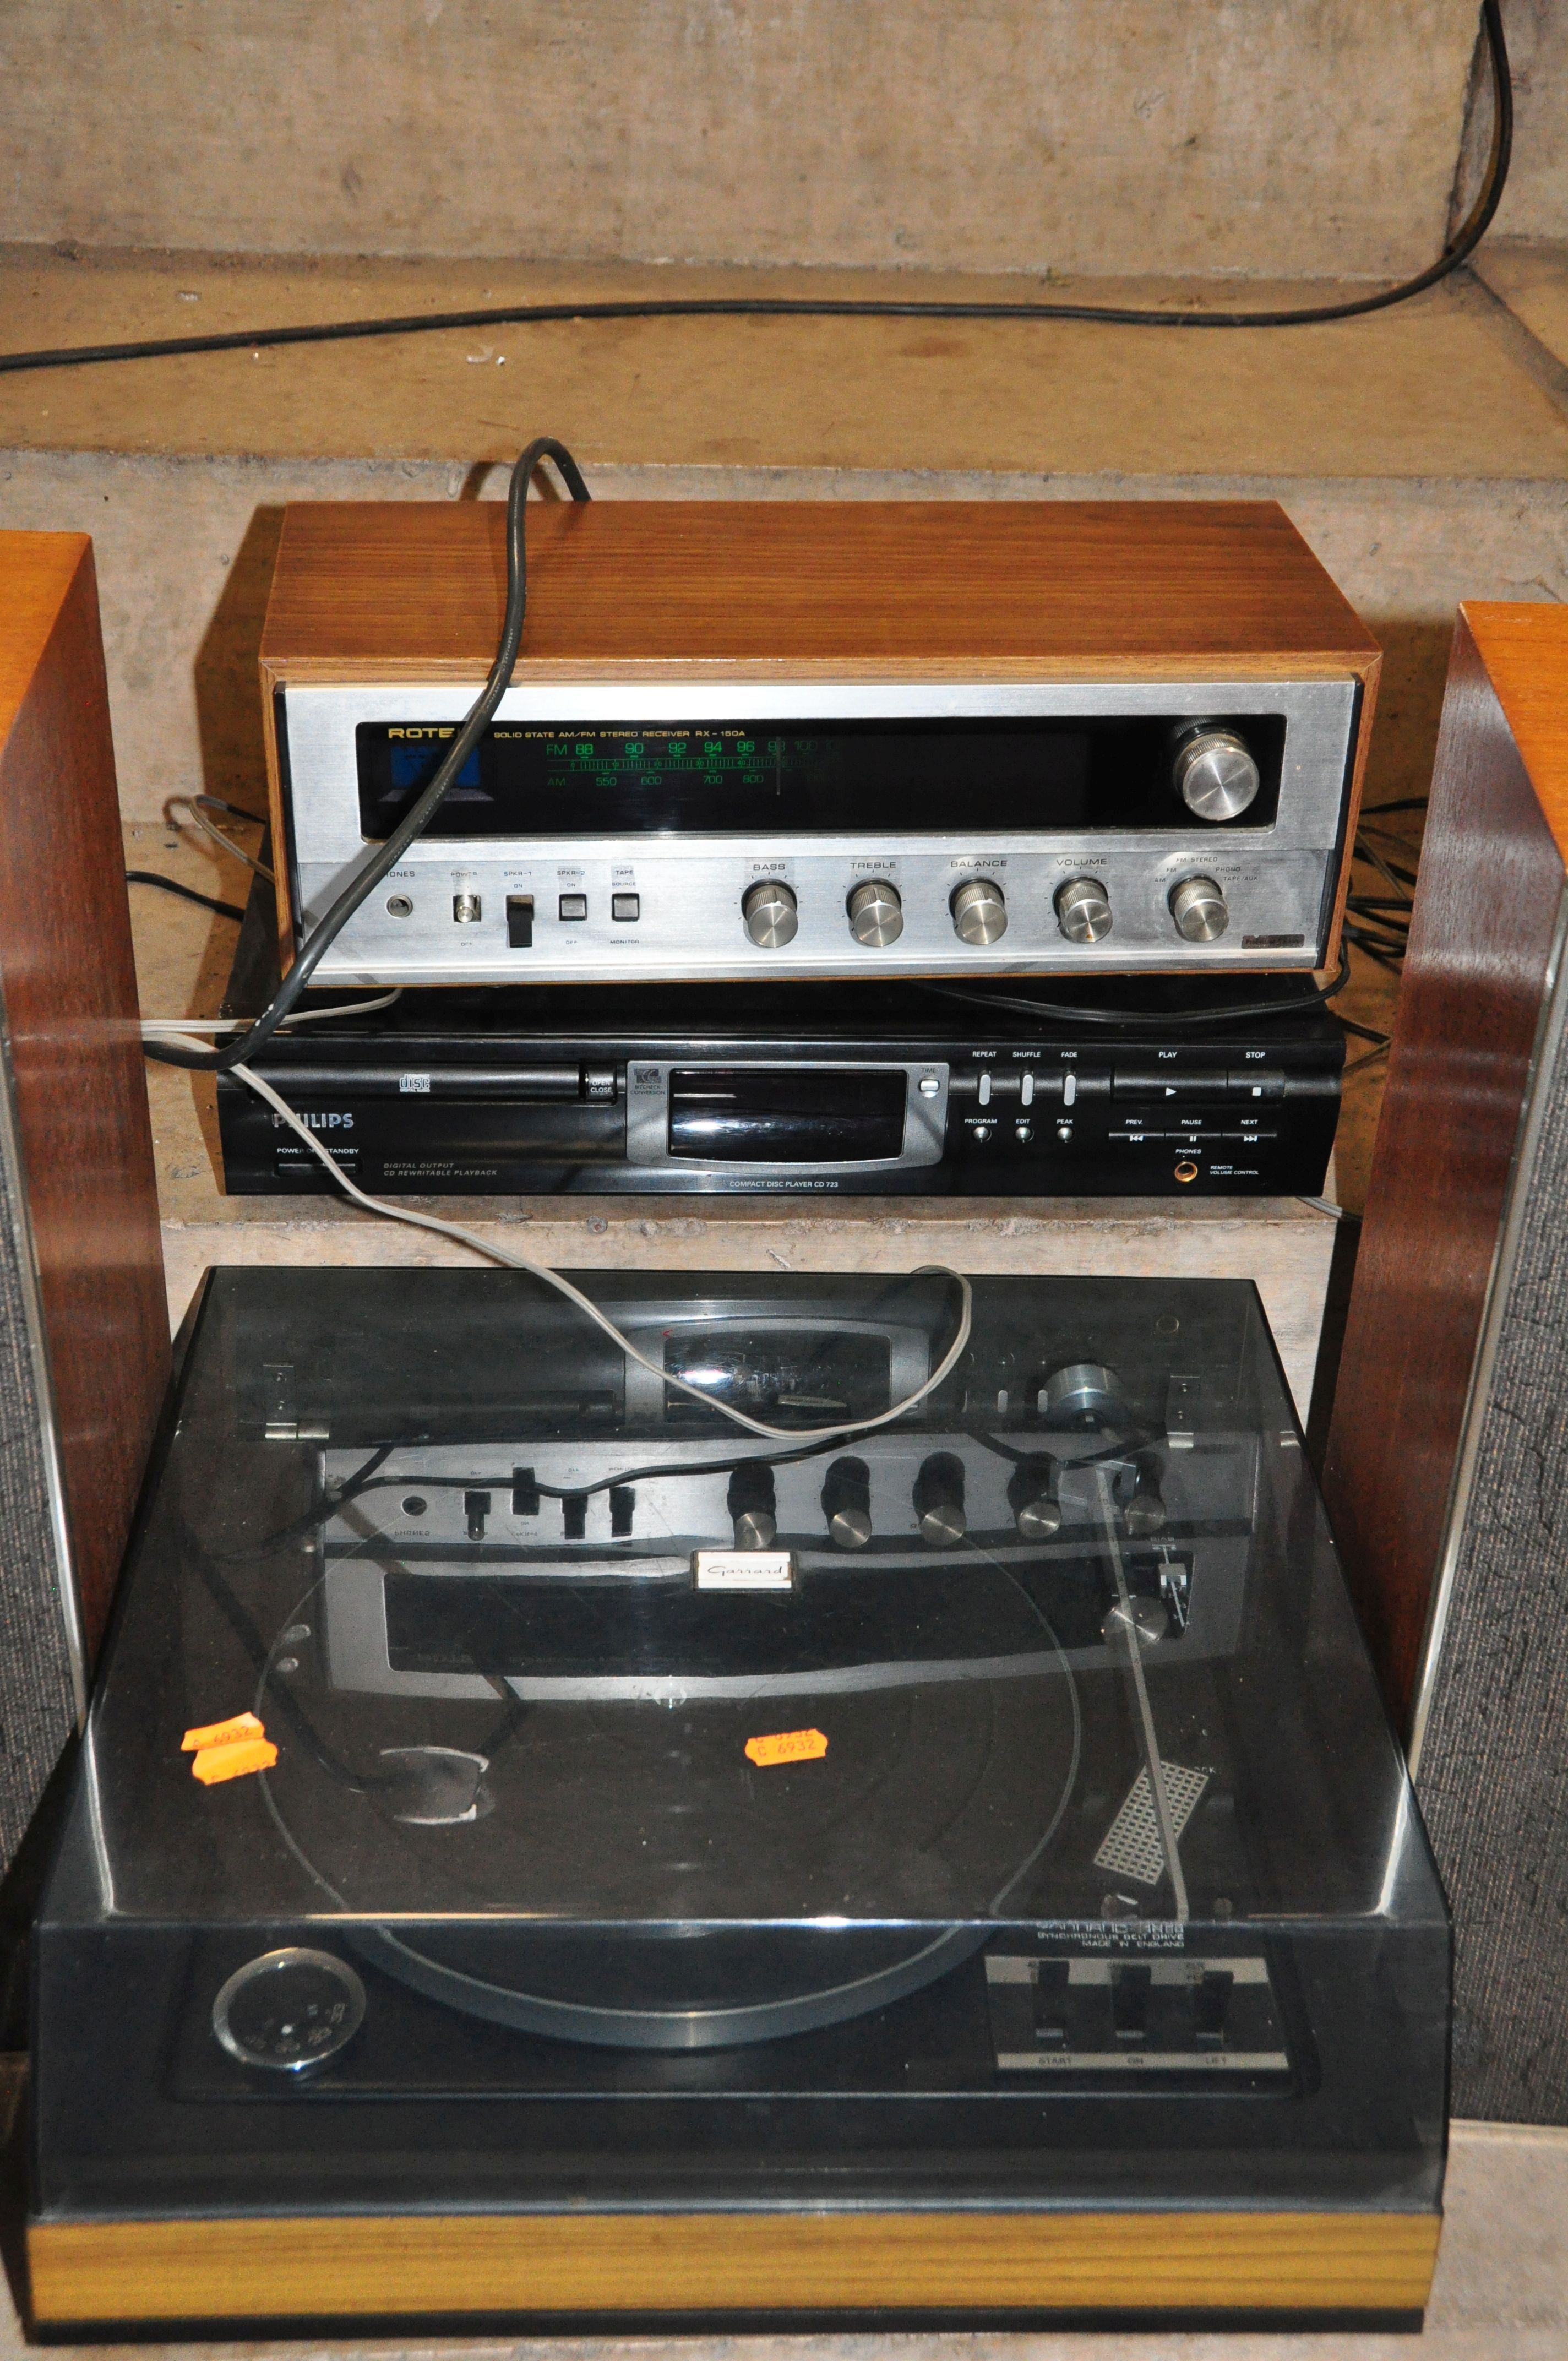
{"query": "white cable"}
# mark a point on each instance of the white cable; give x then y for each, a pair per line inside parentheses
(494, 1252)
(169, 1028)
(235, 851)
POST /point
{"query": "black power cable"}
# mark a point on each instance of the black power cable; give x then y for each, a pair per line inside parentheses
(682, 307)
(415, 822)
(186, 892)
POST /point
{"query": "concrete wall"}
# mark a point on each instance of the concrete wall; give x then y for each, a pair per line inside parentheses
(1285, 137)
(1536, 201)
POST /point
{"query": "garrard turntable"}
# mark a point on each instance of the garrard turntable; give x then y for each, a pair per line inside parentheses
(953, 1870)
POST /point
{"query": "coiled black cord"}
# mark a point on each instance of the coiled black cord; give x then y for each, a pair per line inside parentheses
(415, 822)
(682, 307)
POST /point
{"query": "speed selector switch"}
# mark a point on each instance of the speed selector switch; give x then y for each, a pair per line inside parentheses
(979, 913)
(847, 1503)
(939, 1500)
(876, 914)
(771, 915)
(1031, 1497)
(1215, 774)
(1198, 905)
(1083, 910)
(753, 1506)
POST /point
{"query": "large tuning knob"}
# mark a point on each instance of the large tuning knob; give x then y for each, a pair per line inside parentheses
(771, 914)
(1215, 773)
(876, 914)
(847, 1503)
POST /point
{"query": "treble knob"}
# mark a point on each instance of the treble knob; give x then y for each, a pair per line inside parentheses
(847, 1503)
(939, 1500)
(1215, 773)
(979, 913)
(754, 1506)
(1031, 1497)
(771, 914)
(876, 914)
(1083, 910)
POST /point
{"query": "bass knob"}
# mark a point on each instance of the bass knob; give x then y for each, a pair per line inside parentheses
(771, 914)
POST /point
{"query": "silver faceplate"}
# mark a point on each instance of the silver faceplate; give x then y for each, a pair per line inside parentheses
(1276, 881)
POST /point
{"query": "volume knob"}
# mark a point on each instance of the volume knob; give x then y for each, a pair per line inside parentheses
(771, 914)
(1215, 774)
(1198, 905)
(1083, 910)
(979, 913)
(876, 914)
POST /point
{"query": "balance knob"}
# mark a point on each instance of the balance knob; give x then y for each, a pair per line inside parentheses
(1215, 774)
(876, 914)
(939, 1500)
(1031, 1497)
(1198, 905)
(847, 1503)
(771, 915)
(979, 913)
(1083, 910)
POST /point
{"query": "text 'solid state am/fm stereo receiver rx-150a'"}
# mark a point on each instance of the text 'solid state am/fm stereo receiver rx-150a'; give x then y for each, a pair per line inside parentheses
(794, 741)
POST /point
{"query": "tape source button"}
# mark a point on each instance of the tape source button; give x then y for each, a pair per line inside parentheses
(626, 907)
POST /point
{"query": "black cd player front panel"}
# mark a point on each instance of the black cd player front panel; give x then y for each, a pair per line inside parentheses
(807, 1091)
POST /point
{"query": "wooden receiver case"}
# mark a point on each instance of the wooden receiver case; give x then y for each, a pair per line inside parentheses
(791, 739)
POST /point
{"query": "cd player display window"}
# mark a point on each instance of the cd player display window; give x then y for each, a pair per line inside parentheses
(1108, 772)
(734, 1114)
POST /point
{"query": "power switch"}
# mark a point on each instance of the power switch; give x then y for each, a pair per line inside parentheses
(519, 921)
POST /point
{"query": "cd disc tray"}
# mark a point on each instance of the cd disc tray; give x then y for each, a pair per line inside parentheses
(960, 1870)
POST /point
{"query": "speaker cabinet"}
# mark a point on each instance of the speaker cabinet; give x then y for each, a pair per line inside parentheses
(83, 1319)
(1446, 1470)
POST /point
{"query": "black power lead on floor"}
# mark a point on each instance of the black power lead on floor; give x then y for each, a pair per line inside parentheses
(1459, 249)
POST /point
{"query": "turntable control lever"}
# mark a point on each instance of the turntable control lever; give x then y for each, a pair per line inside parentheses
(1198, 905)
(622, 1508)
(1139, 1498)
(1050, 2004)
(476, 1509)
(939, 1500)
(1083, 910)
(1130, 2001)
(1211, 1999)
(771, 914)
(1215, 774)
(979, 913)
(574, 1517)
(876, 914)
(847, 1503)
(1031, 1497)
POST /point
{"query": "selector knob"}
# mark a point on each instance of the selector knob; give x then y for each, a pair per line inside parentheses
(979, 913)
(1198, 905)
(771, 914)
(847, 1503)
(876, 914)
(1215, 774)
(1083, 910)
(939, 1500)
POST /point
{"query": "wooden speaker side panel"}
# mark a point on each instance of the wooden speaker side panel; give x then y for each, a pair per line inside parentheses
(1486, 914)
(70, 1005)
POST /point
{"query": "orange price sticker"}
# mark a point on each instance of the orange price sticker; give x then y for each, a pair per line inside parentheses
(221, 1733)
(213, 1764)
(786, 1746)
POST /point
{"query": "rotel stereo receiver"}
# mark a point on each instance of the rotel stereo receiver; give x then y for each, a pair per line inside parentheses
(805, 1089)
(782, 741)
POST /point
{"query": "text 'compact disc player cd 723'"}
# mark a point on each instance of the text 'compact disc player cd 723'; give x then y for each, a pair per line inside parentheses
(782, 741)
(954, 1869)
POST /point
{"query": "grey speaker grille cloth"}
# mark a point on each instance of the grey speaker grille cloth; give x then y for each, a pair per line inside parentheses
(37, 1707)
(1494, 1767)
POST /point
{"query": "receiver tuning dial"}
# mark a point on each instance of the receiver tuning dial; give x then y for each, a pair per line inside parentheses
(979, 913)
(1083, 910)
(876, 914)
(771, 914)
(1198, 905)
(1215, 773)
